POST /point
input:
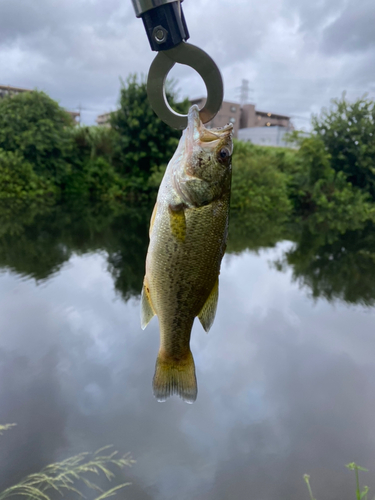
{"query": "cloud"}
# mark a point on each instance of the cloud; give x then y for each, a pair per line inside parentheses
(352, 31)
(295, 53)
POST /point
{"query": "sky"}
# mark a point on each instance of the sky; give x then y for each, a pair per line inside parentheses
(296, 54)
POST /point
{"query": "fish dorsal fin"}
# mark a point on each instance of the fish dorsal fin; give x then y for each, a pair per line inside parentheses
(147, 310)
(177, 221)
(208, 312)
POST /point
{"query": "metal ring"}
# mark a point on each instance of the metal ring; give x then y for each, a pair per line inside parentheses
(196, 58)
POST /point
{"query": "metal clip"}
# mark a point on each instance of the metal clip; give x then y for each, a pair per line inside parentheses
(196, 58)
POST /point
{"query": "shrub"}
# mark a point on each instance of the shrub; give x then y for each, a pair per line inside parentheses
(258, 186)
(35, 126)
(347, 131)
(18, 180)
(143, 141)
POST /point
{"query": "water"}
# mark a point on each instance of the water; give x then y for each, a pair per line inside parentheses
(286, 376)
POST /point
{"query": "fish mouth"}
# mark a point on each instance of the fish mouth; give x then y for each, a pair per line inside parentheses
(198, 133)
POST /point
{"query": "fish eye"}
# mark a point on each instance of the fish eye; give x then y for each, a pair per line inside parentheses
(224, 153)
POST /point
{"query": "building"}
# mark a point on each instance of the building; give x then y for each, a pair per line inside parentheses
(265, 136)
(250, 117)
(245, 117)
(104, 119)
(7, 90)
(230, 112)
(249, 124)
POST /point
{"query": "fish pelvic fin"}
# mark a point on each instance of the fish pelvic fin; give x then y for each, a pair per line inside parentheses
(175, 377)
(208, 312)
(147, 310)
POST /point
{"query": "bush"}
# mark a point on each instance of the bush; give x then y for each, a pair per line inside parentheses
(143, 141)
(34, 126)
(94, 180)
(347, 131)
(93, 142)
(18, 180)
(258, 186)
(323, 195)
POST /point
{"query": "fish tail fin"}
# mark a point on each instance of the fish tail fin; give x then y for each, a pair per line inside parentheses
(175, 377)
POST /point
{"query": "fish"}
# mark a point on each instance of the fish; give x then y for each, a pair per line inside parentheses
(188, 234)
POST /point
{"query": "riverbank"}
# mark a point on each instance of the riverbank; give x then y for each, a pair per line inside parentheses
(328, 181)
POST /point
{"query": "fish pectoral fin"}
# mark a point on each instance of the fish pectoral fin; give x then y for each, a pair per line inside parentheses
(147, 310)
(208, 312)
(177, 221)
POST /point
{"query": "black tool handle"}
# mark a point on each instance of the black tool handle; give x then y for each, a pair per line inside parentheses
(164, 22)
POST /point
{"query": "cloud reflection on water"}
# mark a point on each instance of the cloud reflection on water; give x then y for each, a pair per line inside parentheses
(285, 385)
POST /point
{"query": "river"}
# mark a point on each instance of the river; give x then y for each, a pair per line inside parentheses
(286, 376)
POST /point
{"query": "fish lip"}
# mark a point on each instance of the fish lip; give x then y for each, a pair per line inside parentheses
(197, 132)
(193, 128)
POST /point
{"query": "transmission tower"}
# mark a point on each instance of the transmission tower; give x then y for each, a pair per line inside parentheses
(244, 91)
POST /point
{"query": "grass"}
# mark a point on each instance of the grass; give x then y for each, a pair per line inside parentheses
(6, 427)
(71, 475)
(62, 477)
(360, 495)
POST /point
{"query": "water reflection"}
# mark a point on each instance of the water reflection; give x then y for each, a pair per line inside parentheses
(286, 384)
(35, 241)
(336, 266)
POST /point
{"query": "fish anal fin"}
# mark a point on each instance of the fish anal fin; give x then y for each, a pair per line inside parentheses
(175, 377)
(147, 310)
(177, 221)
(153, 217)
(208, 311)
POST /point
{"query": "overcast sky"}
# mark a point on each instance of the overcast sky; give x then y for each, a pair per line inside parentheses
(296, 54)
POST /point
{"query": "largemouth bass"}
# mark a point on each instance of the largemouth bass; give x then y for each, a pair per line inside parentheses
(188, 233)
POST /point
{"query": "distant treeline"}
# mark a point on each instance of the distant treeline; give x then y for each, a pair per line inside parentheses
(329, 180)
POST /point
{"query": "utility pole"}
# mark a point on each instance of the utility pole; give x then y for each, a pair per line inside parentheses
(79, 111)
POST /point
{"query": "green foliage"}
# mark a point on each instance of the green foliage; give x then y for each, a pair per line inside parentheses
(143, 141)
(6, 427)
(321, 194)
(325, 186)
(259, 188)
(157, 174)
(94, 180)
(356, 468)
(93, 142)
(92, 176)
(360, 495)
(18, 180)
(71, 476)
(339, 206)
(348, 133)
(35, 127)
(245, 233)
(306, 477)
(36, 240)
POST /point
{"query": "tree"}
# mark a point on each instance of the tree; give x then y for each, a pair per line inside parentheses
(35, 127)
(18, 180)
(348, 133)
(143, 141)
